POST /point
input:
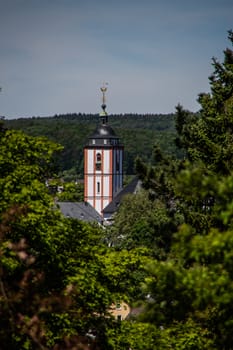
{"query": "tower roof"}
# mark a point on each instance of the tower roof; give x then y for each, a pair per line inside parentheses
(103, 131)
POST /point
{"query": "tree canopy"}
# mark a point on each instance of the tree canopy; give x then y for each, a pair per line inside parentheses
(57, 277)
(192, 288)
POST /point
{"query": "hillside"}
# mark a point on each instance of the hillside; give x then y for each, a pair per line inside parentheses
(137, 132)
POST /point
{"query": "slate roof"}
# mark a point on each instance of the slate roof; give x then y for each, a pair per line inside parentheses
(80, 210)
(103, 135)
(132, 187)
(103, 131)
(85, 212)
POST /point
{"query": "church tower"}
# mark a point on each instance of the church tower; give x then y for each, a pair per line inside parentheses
(103, 163)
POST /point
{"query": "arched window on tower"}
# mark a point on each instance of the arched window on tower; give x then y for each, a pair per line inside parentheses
(98, 161)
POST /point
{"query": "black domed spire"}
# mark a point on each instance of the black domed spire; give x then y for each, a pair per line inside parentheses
(104, 134)
(103, 131)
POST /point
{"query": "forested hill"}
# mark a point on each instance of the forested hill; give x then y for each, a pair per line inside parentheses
(137, 132)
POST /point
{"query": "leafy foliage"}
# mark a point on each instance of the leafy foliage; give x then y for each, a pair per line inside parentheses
(194, 283)
(57, 277)
(141, 221)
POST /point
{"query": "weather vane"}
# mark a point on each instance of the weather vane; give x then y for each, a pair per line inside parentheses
(104, 89)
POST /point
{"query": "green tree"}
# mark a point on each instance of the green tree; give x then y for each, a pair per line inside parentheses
(147, 336)
(57, 277)
(194, 283)
(71, 191)
(142, 222)
(158, 181)
(208, 136)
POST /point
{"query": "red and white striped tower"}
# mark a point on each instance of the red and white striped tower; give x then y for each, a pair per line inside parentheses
(103, 163)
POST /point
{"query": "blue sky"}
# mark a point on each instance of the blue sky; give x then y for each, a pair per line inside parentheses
(55, 54)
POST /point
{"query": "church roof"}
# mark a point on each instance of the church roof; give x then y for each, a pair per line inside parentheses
(132, 187)
(80, 210)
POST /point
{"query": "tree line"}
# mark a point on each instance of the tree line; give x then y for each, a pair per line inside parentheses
(137, 133)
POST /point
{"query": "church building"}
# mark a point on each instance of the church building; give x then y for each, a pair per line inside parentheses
(103, 175)
(103, 163)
